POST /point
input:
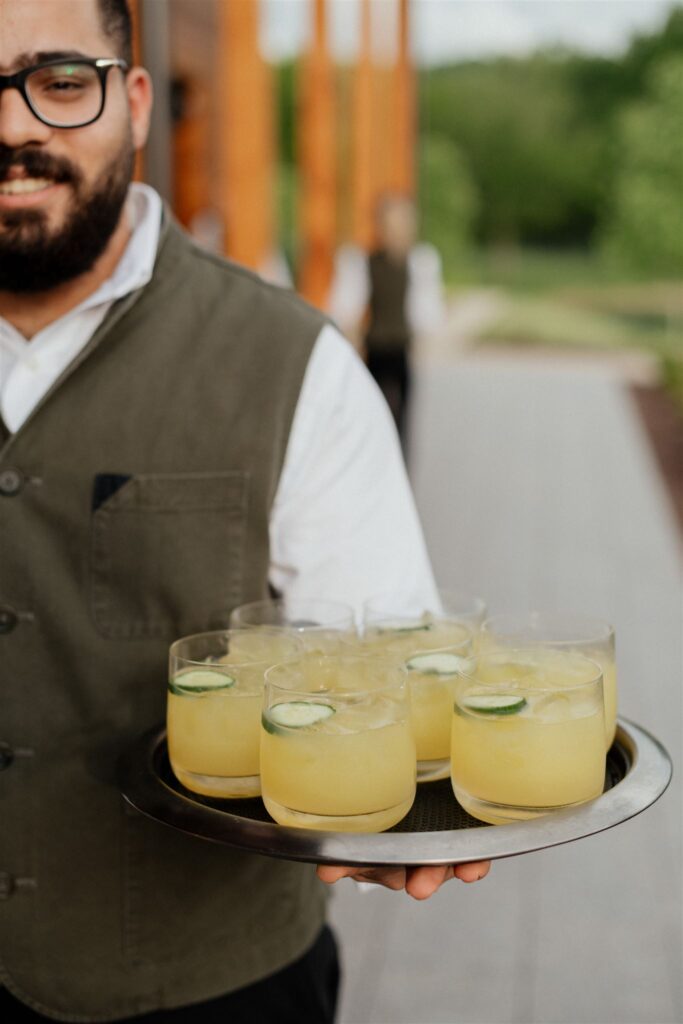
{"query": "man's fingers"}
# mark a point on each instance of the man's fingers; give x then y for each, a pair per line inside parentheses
(392, 878)
(423, 882)
(331, 873)
(420, 883)
(472, 872)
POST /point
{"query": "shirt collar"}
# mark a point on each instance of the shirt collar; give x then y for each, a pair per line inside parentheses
(136, 266)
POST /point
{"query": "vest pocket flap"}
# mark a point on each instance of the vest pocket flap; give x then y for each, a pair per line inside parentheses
(181, 491)
(167, 554)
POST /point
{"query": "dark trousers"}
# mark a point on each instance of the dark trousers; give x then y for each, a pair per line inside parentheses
(305, 992)
(391, 370)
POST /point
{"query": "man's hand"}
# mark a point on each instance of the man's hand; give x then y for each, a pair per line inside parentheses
(420, 883)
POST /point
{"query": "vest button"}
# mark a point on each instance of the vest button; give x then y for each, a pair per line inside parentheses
(8, 620)
(6, 756)
(11, 482)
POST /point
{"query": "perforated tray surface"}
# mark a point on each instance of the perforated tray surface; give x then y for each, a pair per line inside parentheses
(435, 831)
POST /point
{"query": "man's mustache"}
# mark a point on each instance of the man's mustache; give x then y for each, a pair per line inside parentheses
(38, 164)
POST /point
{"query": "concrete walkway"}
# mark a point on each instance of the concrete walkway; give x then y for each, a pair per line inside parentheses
(537, 489)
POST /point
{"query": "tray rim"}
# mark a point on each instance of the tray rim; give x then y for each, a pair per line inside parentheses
(648, 777)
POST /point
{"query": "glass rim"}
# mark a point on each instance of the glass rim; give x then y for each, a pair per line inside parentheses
(237, 631)
(401, 681)
(347, 618)
(597, 630)
(377, 625)
(464, 647)
(473, 605)
(470, 676)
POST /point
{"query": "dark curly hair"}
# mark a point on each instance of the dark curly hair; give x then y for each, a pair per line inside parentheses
(116, 21)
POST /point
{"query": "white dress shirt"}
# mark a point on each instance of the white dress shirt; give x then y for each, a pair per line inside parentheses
(343, 524)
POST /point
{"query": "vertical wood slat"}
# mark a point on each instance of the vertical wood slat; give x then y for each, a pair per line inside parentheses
(317, 162)
(246, 145)
(139, 169)
(363, 176)
(403, 121)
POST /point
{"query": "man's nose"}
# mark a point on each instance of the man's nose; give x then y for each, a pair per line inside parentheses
(18, 125)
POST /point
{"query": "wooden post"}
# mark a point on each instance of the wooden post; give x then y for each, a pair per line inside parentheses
(363, 179)
(403, 122)
(246, 145)
(139, 171)
(317, 162)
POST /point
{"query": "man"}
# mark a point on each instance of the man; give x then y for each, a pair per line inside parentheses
(395, 295)
(176, 437)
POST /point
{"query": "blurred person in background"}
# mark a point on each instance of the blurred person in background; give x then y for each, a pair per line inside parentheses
(176, 436)
(391, 296)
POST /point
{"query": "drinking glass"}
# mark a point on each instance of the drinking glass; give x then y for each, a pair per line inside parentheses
(432, 653)
(322, 626)
(528, 734)
(337, 747)
(445, 605)
(590, 637)
(215, 693)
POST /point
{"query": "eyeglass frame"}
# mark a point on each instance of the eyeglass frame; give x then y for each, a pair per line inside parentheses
(102, 65)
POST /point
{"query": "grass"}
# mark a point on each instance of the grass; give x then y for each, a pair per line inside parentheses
(574, 300)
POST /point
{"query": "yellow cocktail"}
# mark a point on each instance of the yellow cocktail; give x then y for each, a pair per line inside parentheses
(214, 708)
(528, 734)
(337, 749)
(433, 652)
(592, 638)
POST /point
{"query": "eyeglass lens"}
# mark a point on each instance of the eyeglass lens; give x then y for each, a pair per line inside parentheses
(66, 94)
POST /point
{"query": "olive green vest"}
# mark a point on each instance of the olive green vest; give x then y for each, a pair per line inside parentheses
(134, 508)
(388, 329)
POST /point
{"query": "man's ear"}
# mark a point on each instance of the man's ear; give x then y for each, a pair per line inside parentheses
(140, 98)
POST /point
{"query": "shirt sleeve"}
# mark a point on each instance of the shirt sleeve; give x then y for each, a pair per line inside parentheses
(344, 524)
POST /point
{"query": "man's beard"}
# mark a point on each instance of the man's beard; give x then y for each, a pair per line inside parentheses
(35, 259)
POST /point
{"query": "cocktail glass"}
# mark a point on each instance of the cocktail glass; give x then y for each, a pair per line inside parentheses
(528, 734)
(337, 747)
(215, 693)
(323, 626)
(447, 605)
(432, 653)
(591, 637)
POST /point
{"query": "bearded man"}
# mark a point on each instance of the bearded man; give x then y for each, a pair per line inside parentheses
(176, 437)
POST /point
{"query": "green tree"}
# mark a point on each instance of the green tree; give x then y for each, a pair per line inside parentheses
(535, 163)
(645, 230)
(448, 200)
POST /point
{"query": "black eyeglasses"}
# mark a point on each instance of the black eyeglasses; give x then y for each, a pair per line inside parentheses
(64, 93)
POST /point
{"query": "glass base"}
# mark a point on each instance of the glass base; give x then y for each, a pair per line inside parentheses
(430, 771)
(375, 821)
(505, 814)
(225, 788)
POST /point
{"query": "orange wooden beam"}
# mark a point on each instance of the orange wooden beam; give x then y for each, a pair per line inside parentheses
(246, 144)
(363, 173)
(403, 121)
(317, 164)
(139, 170)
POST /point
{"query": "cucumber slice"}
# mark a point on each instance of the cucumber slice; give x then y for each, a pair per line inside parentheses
(495, 704)
(435, 664)
(295, 714)
(200, 681)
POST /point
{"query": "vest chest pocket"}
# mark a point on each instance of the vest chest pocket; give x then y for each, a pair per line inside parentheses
(167, 554)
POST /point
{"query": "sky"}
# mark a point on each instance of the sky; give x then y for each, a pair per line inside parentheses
(451, 30)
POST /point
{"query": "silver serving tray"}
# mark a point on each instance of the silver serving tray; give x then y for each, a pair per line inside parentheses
(435, 831)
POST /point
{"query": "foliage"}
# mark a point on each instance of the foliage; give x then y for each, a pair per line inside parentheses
(646, 227)
(447, 199)
(514, 120)
(538, 134)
